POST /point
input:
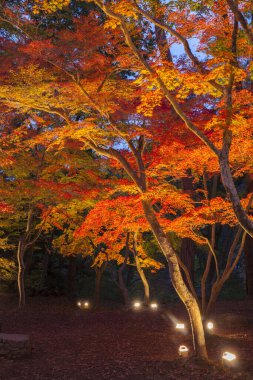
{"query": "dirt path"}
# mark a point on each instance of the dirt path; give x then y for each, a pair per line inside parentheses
(70, 344)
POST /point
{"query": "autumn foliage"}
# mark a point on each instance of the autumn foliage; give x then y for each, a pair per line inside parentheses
(123, 118)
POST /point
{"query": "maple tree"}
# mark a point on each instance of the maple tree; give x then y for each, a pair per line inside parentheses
(118, 225)
(32, 190)
(122, 93)
(101, 237)
(220, 80)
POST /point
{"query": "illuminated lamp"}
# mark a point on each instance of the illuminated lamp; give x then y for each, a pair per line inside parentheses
(180, 326)
(183, 351)
(228, 359)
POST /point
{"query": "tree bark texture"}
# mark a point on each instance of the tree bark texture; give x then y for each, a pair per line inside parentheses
(187, 298)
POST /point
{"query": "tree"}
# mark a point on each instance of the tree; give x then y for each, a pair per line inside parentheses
(31, 190)
(113, 111)
(220, 82)
(117, 224)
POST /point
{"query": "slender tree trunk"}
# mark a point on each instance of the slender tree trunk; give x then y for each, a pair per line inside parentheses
(71, 280)
(28, 258)
(229, 185)
(141, 271)
(28, 263)
(162, 44)
(183, 292)
(97, 289)
(217, 286)
(99, 273)
(248, 252)
(188, 248)
(208, 267)
(143, 279)
(44, 273)
(22, 246)
(121, 283)
(187, 255)
(21, 273)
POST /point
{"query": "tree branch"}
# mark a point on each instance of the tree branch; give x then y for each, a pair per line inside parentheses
(160, 82)
(241, 19)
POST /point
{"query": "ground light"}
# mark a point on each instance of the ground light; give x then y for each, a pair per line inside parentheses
(210, 326)
(180, 326)
(83, 304)
(137, 305)
(183, 351)
(228, 359)
(154, 306)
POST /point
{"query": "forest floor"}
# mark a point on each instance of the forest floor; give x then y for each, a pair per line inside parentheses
(72, 344)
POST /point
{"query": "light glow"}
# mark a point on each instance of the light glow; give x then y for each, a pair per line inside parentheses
(137, 305)
(183, 349)
(210, 325)
(154, 306)
(79, 304)
(180, 326)
(86, 304)
(228, 356)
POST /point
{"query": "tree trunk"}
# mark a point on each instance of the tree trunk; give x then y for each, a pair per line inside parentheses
(208, 274)
(188, 248)
(229, 185)
(21, 273)
(230, 266)
(183, 292)
(71, 280)
(162, 44)
(28, 259)
(143, 279)
(187, 255)
(44, 272)
(97, 289)
(99, 273)
(248, 252)
(178, 283)
(141, 271)
(22, 246)
(122, 285)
